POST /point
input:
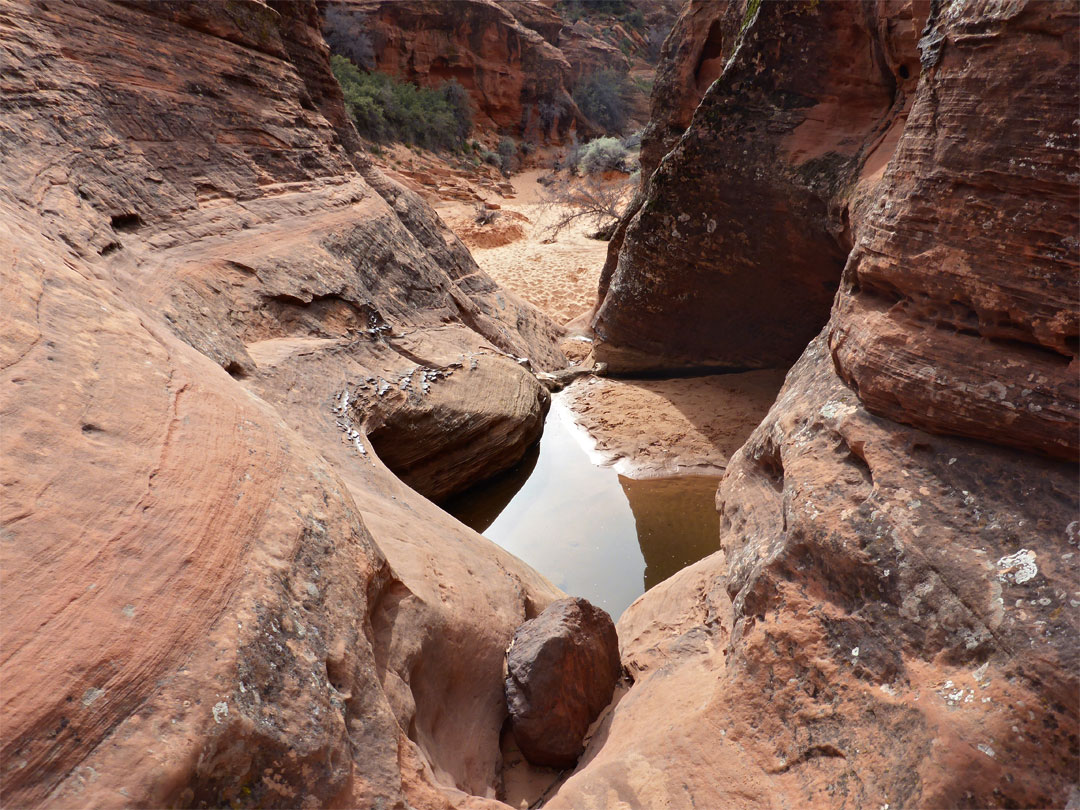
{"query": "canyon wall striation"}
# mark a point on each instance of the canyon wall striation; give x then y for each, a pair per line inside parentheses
(214, 591)
(891, 620)
(517, 77)
(519, 60)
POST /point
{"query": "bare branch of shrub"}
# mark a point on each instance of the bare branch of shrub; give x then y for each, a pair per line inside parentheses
(484, 215)
(590, 199)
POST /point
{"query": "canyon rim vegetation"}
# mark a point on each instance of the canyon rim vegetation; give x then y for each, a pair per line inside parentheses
(249, 350)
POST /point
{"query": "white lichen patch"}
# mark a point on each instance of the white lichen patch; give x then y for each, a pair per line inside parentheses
(343, 403)
(91, 694)
(834, 408)
(220, 710)
(1017, 568)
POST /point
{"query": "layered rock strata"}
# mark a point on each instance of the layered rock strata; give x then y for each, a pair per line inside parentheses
(214, 591)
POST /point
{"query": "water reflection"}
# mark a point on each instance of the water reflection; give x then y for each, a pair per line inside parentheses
(480, 506)
(677, 522)
(585, 527)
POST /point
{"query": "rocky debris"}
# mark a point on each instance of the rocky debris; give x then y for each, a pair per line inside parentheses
(519, 81)
(561, 668)
(231, 599)
(889, 620)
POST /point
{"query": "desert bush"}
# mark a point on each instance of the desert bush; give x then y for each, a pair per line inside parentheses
(604, 98)
(344, 39)
(572, 157)
(603, 155)
(550, 110)
(645, 85)
(597, 202)
(387, 110)
(508, 153)
(635, 18)
(574, 10)
(484, 215)
(632, 141)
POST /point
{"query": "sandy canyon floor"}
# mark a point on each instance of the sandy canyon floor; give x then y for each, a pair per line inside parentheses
(646, 427)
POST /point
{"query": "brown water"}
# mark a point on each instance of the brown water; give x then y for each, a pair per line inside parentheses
(589, 530)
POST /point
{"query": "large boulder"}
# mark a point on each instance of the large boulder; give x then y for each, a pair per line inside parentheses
(562, 668)
(697, 270)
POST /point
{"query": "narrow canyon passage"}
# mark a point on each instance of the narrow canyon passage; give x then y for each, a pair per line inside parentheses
(333, 476)
(619, 493)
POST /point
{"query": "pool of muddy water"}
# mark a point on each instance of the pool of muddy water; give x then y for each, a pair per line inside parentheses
(591, 531)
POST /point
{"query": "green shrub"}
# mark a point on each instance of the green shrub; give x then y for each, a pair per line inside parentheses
(635, 18)
(387, 110)
(603, 97)
(602, 155)
(575, 10)
(508, 152)
(550, 110)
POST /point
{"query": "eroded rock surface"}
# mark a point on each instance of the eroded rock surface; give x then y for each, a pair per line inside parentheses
(442, 441)
(960, 305)
(561, 672)
(699, 267)
(891, 619)
(214, 591)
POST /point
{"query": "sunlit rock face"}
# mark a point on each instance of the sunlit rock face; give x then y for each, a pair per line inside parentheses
(214, 592)
(891, 617)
